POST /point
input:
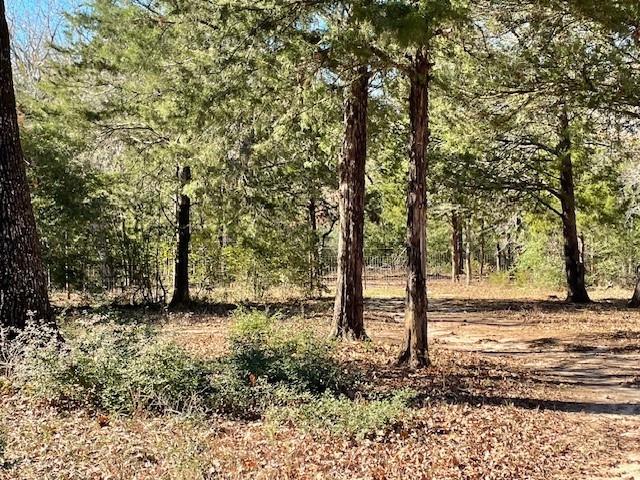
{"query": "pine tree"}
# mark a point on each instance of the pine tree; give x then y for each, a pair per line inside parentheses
(23, 286)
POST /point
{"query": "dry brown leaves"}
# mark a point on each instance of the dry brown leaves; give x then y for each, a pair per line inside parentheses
(479, 415)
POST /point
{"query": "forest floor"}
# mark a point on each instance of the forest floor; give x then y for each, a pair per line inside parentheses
(522, 386)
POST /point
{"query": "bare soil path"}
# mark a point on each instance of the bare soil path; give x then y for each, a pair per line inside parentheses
(590, 355)
(595, 350)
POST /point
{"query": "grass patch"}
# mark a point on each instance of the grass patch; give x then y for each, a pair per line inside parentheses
(342, 416)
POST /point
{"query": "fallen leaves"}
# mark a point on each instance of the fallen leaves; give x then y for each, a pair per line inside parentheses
(478, 416)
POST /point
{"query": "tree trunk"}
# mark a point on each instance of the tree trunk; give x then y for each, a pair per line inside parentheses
(23, 284)
(414, 350)
(574, 267)
(183, 236)
(482, 249)
(456, 248)
(635, 300)
(467, 254)
(313, 247)
(347, 314)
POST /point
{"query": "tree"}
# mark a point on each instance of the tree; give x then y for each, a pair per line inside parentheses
(183, 233)
(413, 350)
(552, 88)
(574, 262)
(348, 307)
(23, 286)
(407, 34)
(456, 247)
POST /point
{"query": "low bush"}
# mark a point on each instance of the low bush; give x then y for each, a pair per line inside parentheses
(115, 368)
(499, 279)
(13, 343)
(291, 375)
(127, 369)
(342, 416)
(261, 347)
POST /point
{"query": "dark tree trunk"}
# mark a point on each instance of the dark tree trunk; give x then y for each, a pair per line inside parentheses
(414, 350)
(347, 314)
(456, 248)
(482, 250)
(183, 236)
(23, 284)
(635, 300)
(574, 267)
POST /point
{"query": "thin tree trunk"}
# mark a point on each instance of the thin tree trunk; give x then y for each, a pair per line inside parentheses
(183, 236)
(347, 314)
(23, 284)
(414, 350)
(467, 254)
(456, 248)
(482, 249)
(313, 247)
(574, 267)
(635, 300)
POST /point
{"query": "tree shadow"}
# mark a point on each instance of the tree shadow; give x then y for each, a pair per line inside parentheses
(440, 305)
(480, 381)
(541, 404)
(155, 312)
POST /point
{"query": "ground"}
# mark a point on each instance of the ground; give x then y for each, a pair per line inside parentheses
(521, 386)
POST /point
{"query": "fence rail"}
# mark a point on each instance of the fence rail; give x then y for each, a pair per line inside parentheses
(153, 281)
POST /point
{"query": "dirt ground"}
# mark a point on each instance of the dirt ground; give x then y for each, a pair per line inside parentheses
(522, 386)
(583, 361)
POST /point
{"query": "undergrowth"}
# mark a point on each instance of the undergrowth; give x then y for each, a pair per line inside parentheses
(358, 418)
(271, 367)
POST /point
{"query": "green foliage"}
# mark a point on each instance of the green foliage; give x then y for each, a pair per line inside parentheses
(119, 369)
(540, 262)
(341, 416)
(126, 369)
(263, 346)
(499, 279)
(249, 94)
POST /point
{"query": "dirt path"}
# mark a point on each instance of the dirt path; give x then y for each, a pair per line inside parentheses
(591, 354)
(592, 350)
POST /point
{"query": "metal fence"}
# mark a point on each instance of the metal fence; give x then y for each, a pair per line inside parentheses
(385, 267)
(210, 276)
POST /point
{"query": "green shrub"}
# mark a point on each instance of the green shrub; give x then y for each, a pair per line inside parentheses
(262, 347)
(345, 417)
(120, 369)
(499, 279)
(126, 369)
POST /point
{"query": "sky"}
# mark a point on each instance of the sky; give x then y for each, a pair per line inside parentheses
(26, 7)
(35, 14)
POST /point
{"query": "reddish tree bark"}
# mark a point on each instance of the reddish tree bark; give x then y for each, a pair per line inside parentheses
(348, 307)
(414, 350)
